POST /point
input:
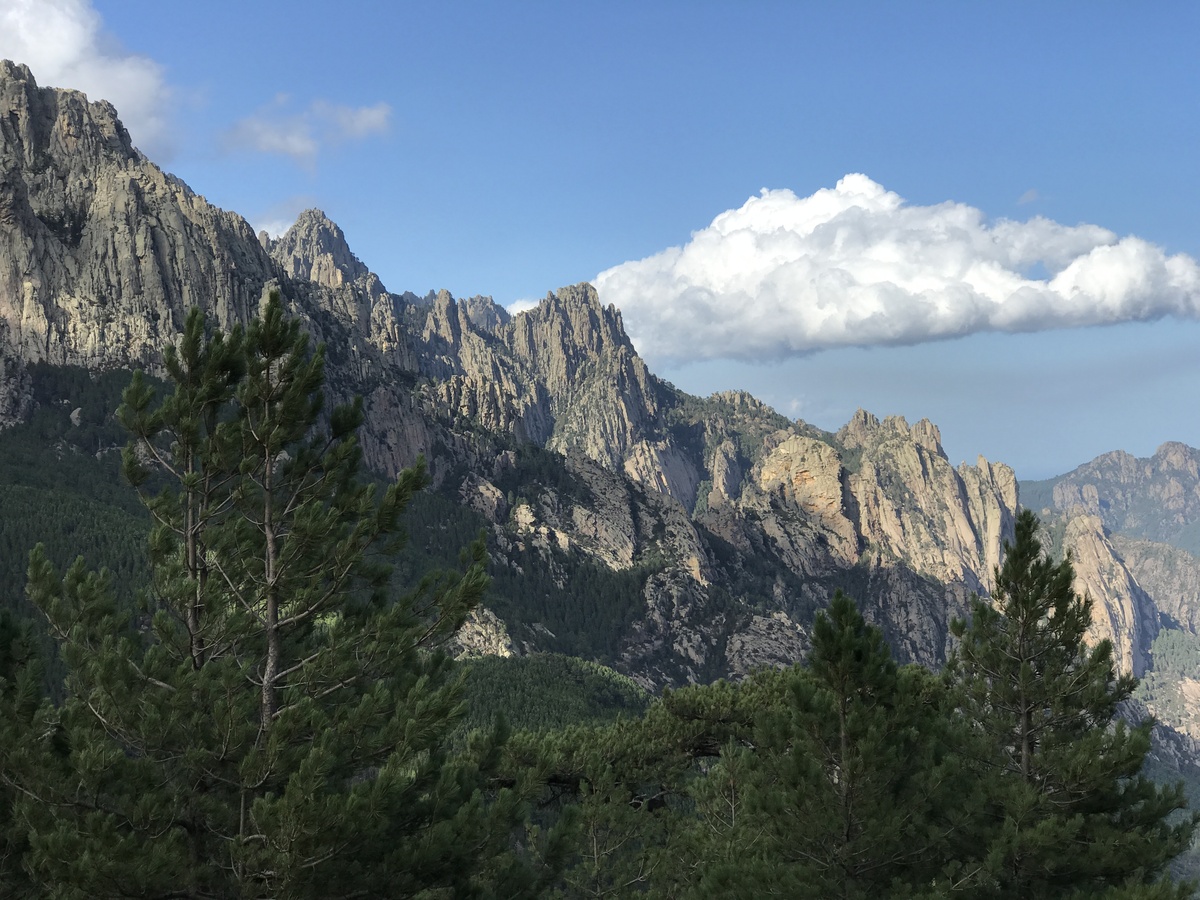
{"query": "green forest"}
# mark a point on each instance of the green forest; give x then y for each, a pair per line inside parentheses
(225, 677)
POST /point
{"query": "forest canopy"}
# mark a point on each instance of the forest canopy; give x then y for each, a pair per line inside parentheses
(259, 704)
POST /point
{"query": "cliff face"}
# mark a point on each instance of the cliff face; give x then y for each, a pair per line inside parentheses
(914, 504)
(101, 252)
(1169, 575)
(1123, 612)
(742, 522)
(1132, 527)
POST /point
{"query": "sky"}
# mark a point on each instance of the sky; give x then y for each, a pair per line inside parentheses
(980, 214)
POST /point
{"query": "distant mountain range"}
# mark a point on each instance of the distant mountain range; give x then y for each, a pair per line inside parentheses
(673, 537)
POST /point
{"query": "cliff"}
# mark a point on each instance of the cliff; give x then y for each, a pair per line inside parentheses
(101, 252)
(1132, 526)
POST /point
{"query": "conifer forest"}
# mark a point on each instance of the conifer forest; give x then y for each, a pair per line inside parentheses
(227, 671)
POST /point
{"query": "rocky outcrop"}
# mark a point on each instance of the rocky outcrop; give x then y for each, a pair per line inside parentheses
(1122, 612)
(563, 374)
(769, 641)
(875, 510)
(1167, 574)
(315, 249)
(948, 523)
(314, 253)
(802, 481)
(483, 634)
(101, 252)
(1132, 526)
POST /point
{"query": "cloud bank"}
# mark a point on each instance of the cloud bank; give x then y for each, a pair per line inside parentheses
(856, 266)
(302, 135)
(64, 44)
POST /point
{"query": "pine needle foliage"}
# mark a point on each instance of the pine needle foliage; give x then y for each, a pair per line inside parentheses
(1070, 812)
(272, 720)
(852, 789)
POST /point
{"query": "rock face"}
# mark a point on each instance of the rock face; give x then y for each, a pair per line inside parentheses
(101, 252)
(740, 522)
(1122, 611)
(1167, 574)
(482, 635)
(314, 251)
(949, 522)
(563, 375)
(1132, 527)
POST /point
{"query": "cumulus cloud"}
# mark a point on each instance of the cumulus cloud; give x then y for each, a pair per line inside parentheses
(857, 266)
(524, 304)
(64, 44)
(301, 135)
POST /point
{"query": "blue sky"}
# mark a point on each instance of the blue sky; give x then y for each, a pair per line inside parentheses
(511, 148)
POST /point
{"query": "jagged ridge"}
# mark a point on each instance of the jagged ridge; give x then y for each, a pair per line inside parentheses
(746, 521)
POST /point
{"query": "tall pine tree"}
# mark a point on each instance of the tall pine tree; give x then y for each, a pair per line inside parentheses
(854, 791)
(272, 721)
(1069, 808)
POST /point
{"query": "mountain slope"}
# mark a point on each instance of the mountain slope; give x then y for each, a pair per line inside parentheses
(734, 523)
(1132, 526)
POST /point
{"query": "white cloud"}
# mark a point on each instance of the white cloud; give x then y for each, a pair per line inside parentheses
(275, 228)
(281, 216)
(856, 266)
(522, 305)
(302, 135)
(64, 44)
(352, 123)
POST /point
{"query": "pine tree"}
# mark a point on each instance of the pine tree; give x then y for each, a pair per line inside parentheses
(855, 790)
(272, 720)
(1069, 808)
(836, 779)
(20, 694)
(616, 806)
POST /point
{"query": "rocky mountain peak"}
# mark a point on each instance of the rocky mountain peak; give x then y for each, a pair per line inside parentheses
(443, 321)
(859, 431)
(45, 128)
(1179, 458)
(926, 434)
(315, 249)
(1157, 498)
(572, 320)
(486, 314)
(101, 252)
(742, 402)
(447, 319)
(865, 430)
(15, 71)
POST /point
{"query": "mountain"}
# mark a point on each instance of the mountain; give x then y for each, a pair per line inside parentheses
(678, 538)
(737, 522)
(1133, 528)
(1157, 499)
